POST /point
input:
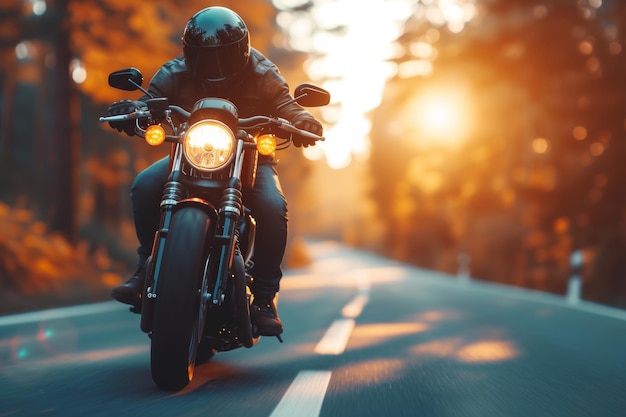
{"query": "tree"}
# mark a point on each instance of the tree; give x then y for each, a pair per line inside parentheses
(544, 154)
(65, 147)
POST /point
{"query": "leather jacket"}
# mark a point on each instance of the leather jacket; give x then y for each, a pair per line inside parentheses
(257, 90)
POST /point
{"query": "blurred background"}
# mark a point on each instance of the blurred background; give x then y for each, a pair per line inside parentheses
(466, 136)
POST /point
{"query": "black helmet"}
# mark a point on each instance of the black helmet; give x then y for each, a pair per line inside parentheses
(216, 44)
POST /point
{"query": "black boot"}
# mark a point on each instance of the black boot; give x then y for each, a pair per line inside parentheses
(265, 317)
(130, 292)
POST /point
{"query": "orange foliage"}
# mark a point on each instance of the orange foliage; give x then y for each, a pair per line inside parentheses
(34, 261)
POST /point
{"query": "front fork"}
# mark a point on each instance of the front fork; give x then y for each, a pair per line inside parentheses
(173, 193)
(223, 251)
(226, 238)
(224, 244)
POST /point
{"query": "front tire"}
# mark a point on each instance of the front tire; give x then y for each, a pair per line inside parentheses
(176, 320)
(242, 304)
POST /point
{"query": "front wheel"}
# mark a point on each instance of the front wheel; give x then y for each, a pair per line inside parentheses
(175, 337)
(242, 304)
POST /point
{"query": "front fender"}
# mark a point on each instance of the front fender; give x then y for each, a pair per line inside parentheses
(204, 205)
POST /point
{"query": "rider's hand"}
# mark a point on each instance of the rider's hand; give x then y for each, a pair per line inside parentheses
(124, 107)
(310, 125)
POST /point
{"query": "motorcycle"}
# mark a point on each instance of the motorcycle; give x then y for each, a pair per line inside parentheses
(196, 298)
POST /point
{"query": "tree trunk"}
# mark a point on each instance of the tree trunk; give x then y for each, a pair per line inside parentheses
(64, 151)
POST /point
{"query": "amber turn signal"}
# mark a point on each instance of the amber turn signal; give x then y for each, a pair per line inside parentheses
(266, 144)
(155, 135)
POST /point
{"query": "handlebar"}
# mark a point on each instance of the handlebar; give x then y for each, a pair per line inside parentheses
(248, 124)
(255, 122)
(142, 114)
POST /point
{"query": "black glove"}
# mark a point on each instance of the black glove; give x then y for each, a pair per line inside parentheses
(310, 125)
(125, 107)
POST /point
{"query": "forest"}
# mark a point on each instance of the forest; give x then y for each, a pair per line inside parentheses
(492, 135)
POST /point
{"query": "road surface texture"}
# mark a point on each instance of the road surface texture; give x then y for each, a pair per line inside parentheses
(364, 336)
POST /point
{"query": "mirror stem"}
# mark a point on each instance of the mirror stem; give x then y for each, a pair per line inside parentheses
(143, 90)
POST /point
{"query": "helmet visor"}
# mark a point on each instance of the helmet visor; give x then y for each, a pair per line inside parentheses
(217, 63)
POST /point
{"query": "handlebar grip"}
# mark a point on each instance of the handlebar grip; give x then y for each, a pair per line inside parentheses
(138, 114)
(303, 133)
(118, 118)
(311, 135)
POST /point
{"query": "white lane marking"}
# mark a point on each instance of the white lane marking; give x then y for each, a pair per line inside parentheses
(355, 307)
(601, 310)
(60, 313)
(535, 296)
(304, 396)
(363, 284)
(74, 358)
(306, 393)
(336, 337)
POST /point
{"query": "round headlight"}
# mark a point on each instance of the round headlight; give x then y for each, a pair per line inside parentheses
(209, 145)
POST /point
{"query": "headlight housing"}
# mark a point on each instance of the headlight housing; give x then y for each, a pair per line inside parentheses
(209, 145)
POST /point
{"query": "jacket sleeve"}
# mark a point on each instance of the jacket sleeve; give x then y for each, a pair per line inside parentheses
(276, 91)
(162, 84)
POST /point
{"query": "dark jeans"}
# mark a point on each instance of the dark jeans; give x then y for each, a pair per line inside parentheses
(266, 201)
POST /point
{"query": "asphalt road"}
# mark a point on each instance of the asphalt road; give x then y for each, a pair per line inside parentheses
(364, 336)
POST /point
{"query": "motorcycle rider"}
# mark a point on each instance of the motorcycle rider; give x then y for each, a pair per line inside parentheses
(217, 60)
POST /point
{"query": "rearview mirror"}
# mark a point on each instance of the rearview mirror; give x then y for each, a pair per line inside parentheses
(308, 95)
(129, 79)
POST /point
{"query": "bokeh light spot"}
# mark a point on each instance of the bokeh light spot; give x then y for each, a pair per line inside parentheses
(541, 145)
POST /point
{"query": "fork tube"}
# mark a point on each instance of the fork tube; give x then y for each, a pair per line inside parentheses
(173, 192)
(239, 160)
(231, 208)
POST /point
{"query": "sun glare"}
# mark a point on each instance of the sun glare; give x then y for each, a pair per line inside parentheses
(439, 116)
(351, 43)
